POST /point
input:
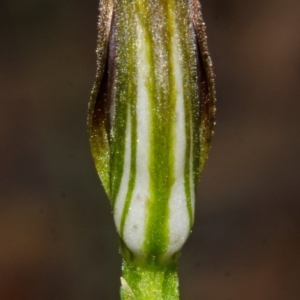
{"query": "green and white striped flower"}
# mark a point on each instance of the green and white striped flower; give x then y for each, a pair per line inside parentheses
(150, 121)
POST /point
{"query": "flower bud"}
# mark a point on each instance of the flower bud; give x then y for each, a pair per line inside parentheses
(151, 116)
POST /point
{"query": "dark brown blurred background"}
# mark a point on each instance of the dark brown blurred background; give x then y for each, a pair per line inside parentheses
(57, 237)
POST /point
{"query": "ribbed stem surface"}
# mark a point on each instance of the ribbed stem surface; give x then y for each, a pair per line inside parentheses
(149, 281)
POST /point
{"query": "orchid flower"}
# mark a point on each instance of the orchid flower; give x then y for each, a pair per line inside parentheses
(151, 117)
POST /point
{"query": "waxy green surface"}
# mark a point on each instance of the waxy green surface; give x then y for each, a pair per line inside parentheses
(163, 281)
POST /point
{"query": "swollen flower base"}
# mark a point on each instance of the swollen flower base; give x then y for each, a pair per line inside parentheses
(151, 116)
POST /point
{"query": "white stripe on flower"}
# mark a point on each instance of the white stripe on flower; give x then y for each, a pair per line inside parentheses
(134, 231)
(121, 197)
(179, 225)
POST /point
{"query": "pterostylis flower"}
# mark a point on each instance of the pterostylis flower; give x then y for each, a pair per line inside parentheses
(151, 118)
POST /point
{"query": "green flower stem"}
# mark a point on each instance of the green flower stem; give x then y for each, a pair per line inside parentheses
(149, 281)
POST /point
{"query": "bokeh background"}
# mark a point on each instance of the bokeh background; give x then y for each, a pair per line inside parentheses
(57, 237)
